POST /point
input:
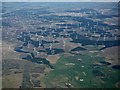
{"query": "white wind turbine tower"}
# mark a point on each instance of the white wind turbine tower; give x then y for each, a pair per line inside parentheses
(62, 24)
(62, 18)
(94, 32)
(37, 53)
(14, 31)
(11, 39)
(91, 38)
(94, 26)
(50, 46)
(7, 34)
(45, 29)
(76, 37)
(29, 34)
(84, 12)
(66, 26)
(84, 29)
(73, 30)
(86, 34)
(54, 36)
(37, 39)
(104, 38)
(67, 35)
(88, 31)
(63, 42)
(90, 12)
(71, 23)
(52, 31)
(98, 39)
(53, 41)
(50, 26)
(113, 35)
(91, 28)
(24, 27)
(24, 39)
(44, 20)
(88, 24)
(59, 26)
(107, 37)
(41, 26)
(34, 49)
(102, 12)
(28, 44)
(115, 38)
(12, 34)
(50, 35)
(108, 29)
(103, 28)
(74, 13)
(39, 43)
(51, 20)
(36, 34)
(19, 36)
(9, 47)
(21, 32)
(80, 25)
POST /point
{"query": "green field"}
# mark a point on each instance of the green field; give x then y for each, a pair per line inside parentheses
(81, 70)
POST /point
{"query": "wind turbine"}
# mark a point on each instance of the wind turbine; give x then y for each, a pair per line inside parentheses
(63, 43)
(24, 39)
(94, 32)
(59, 26)
(66, 26)
(45, 29)
(90, 12)
(71, 23)
(91, 38)
(7, 32)
(76, 37)
(104, 38)
(102, 12)
(50, 26)
(115, 37)
(9, 47)
(50, 47)
(88, 24)
(91, 28)
(84, 29)
(11, 39)
(113, 34)
(28, 45)
(98, 39)
(37, 38)
(39, 44)
(73, 30)
(12, 34)
(21, 32)
(36, 34)
(86, 34)
(37, 53)
(80, 25)
(30, 35)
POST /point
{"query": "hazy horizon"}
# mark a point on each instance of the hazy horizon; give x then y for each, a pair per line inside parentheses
(59, 1)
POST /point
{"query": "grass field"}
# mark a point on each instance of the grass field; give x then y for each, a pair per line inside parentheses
(12, 81)
(80, 74)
